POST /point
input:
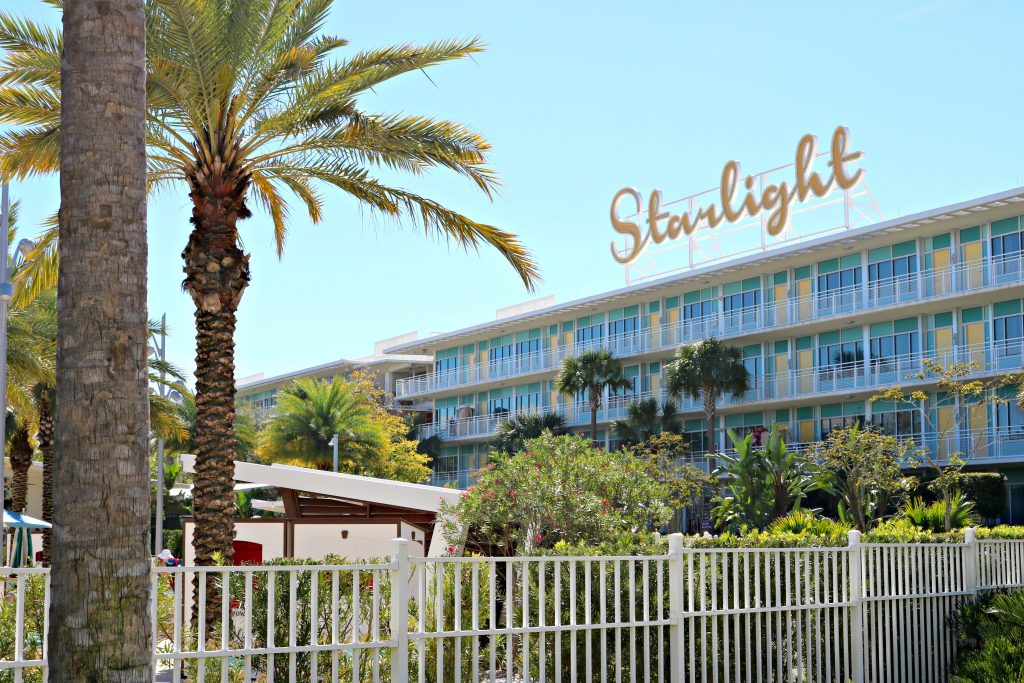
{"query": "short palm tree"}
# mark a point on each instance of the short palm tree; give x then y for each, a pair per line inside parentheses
(646, 418)
(512, 433)
(309, 413)
(591, 373)
(707, 370)
(245, 105)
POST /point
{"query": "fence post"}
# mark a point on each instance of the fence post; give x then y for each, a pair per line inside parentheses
(970, 561)
(676, 644)
(856, 624)
(400, 611)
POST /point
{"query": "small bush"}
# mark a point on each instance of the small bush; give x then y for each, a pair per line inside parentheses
(933, 517)
(805, 523)
(987, 490)
(991, 636)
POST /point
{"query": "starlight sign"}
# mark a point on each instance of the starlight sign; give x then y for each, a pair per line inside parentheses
(660, 225)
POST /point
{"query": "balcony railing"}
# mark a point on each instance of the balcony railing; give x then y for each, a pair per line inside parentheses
(990, 357)
(961, 278)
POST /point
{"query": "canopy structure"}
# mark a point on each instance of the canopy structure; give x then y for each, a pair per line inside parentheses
(14, 520)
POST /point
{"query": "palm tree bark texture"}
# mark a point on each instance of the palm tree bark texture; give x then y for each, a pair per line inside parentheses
(44, 437)
(216, 274)
(21, 462)
(100, 629)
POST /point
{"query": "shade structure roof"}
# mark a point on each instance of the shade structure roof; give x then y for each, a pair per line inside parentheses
(14, 520)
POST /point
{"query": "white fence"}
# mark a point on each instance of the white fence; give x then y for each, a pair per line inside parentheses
(871, 612)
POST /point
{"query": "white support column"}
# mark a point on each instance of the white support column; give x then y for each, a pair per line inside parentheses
(856, 625)
(677, 641)
(400, 611)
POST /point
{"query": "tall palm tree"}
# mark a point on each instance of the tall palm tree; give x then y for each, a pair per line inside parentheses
(512, 433)
(707, 370)
(591, 373)
(244, 105)
(99, 617)
(309, 413)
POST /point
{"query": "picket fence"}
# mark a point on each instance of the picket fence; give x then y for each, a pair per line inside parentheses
(864, 613)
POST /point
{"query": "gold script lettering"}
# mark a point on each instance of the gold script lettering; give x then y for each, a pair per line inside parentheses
(627, 227)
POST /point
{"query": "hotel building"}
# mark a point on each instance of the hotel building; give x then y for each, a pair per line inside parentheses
(823, 325)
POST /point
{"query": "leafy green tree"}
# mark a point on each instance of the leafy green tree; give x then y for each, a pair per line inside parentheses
(518, 429)
(945, 417)
(707, 370)
(591, 373)
(666, 456)
(557, 489)
(245, 105)
(862, 468)
(762, 485)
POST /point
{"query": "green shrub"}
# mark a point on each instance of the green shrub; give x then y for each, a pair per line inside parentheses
(805, 523)
(990, 632)
(987, 490)
(933, 517)
(172, 541)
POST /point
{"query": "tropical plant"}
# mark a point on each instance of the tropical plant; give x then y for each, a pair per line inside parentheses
(309, 413)
(666, 456)
(515, 431)
(945, 417)
(646, 418)
(861, 467)
(933, 517)
(558, 488)
(244, 105)
(806, 523)
(101, 486)
(246, 438)
(587, 376)
(987, 490)
(762, 485)
(707, 370)
(990, 635)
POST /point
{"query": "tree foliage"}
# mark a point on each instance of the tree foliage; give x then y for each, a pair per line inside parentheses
(591, 373)
(517, 430)
(762, 485)
(862, 469)
(665, 456)
(557, 489)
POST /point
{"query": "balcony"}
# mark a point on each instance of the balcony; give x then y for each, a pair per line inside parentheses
(962, 278)
(836, 380)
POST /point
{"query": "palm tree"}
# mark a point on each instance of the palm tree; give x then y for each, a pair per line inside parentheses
(101, 472)
(646, 418)
(512, 433)
(591, 373)
(309, 413)
(243, 106)
(707, 369)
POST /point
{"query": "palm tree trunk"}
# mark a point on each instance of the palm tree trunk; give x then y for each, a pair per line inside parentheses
(595, 402)
(217, 272)
(710, 410)
(21, 462)
(45, 439)
(100, 628)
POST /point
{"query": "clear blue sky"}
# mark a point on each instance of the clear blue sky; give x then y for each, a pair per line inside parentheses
(579, 100)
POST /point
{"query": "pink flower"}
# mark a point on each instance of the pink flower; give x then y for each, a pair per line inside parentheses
(512, 493)
(539, 538)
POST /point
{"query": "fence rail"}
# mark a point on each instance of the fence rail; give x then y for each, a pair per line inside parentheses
(862, 612)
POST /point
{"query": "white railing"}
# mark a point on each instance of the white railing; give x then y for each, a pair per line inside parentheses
(860, 612)
(990, 357)
(959, 278)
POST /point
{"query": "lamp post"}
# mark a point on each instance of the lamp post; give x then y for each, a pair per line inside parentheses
(6, 291)
(160, 352)
(334, 442)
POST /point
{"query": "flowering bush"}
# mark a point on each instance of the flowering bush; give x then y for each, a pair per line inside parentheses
(557, 489)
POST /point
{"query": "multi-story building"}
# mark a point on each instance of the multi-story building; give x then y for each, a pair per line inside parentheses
(823, 325)
(258, 394)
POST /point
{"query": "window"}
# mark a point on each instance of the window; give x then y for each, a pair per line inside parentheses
(840, 356)
(735, 303)
(900, 267)
(830, 423)
(528, 403)
(500, 353)
(1009, 419)
(526, 348)
(500, 406)
(1008, 245)
(901, 423)
(831, 284)
(1008, 328)
(754, 365)
(885, 350)
(624, 326)
(589, 333)
(628, 391)
(446, 364)
(698, 310)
